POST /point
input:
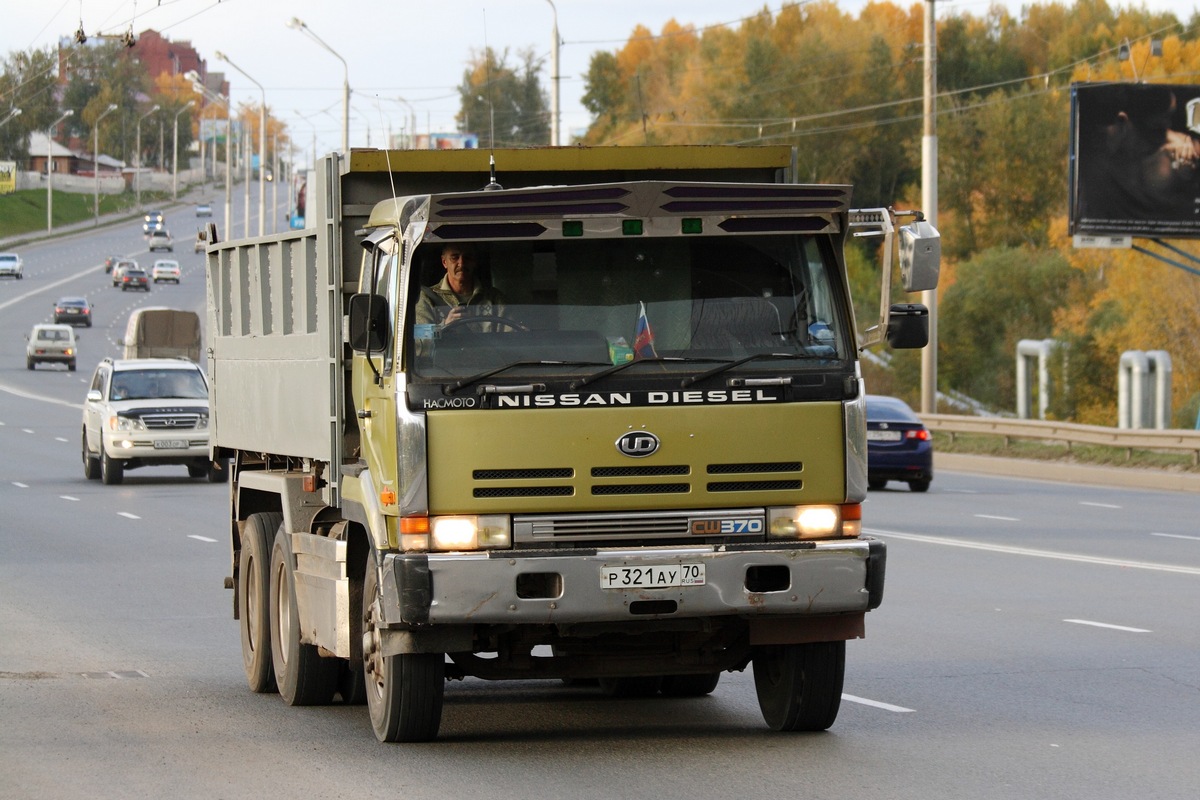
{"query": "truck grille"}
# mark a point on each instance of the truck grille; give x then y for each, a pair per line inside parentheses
(608, 481)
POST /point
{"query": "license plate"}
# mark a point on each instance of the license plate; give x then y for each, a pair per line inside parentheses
(652, 577)
(171, 444)
(883, 436)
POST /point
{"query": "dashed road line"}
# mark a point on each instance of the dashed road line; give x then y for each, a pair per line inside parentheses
(201, 538)
(68, 497)
(1099, 505)
(1002, 519)
(1028, 551)
(1107, 625)
(876, 704)
(1177, 536)
(127, 515)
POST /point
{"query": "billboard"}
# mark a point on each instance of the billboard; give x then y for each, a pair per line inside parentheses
(8, 177)
(1134, 167)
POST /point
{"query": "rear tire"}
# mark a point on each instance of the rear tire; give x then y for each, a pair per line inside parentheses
(799, 686)
(404, 691)
(254, 580)
(112, 471)
(876, 483)
(303, 676)
(919, 486)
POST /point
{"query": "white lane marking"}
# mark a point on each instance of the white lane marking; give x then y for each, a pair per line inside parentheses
(68, 497)
(20, 485)
(1002, 519)
(39, 397)
(1177, 536)
(200, 538)
(127, 515)
(1099, 505)
(48, 286)
(877, 704)
(27, 430)
(1106, 625)
(59, 439)
(1028, 551)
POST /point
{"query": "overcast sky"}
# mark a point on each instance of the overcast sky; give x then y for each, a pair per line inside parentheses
(393, 48)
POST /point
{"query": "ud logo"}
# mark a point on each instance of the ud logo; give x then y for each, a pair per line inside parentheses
(638, 444)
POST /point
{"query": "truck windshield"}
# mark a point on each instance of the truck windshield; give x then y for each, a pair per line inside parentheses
(574, 309)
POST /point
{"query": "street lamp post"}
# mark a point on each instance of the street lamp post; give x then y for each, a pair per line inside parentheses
(299, 25)
(412, 117)
(96, 154)
(137, 178)
(262, 145)
(554, 81)
(175, 152)
(50, 169)
(212, 97)
(313, 163)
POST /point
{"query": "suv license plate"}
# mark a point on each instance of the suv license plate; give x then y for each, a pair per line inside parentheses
(171, 444)
(654, 577)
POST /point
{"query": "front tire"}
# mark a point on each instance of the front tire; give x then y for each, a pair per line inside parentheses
(254, 580)
(112, 471)
(404, 691)
(799, 686)
(91, 464)
(303, 676)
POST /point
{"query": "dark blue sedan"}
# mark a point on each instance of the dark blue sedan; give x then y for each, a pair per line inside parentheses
(899, 446)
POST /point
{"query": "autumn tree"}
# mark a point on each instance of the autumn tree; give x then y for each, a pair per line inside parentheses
(27, 82)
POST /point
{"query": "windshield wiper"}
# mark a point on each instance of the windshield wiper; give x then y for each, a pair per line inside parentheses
(717, 370)
(604, 373)
(465, 382)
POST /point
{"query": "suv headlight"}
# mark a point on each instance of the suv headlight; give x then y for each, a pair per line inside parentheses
(118, 423)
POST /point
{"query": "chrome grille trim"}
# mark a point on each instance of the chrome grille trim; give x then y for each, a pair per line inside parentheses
(179, 422)
(626, 525)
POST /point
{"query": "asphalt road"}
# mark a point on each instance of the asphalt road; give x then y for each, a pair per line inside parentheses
(1036, 640)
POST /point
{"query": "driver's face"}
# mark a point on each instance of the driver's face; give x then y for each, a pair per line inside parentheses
(460, 267)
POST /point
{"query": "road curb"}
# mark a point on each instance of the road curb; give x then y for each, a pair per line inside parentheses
(1063, 472)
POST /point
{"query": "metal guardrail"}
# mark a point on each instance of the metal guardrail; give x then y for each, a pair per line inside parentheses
(1068, 432)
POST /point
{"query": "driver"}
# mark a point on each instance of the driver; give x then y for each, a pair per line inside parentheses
(460, 293)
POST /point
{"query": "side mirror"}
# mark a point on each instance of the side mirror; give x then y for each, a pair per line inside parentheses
(368, 323)
(920, 256)
(93, 396)
(908, 326)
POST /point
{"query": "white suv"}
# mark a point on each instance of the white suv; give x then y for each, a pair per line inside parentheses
(145, 412)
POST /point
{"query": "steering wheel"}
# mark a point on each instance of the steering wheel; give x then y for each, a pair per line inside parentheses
(512, 324)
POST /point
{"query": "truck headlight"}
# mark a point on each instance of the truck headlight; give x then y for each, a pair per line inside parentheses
(815, 521)
(470, 532)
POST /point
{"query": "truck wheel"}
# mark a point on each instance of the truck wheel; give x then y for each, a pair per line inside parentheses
(404, 691)
(303, 676)
(91, 464)
(799, 686)
(112, 471)
(254, 579)
(690, 685)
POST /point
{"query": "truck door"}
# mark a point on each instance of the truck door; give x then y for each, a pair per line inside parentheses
(374, 388)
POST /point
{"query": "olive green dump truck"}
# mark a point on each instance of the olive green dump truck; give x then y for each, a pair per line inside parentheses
(640, 462)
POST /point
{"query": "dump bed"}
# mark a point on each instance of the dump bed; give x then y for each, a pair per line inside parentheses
(276, 303)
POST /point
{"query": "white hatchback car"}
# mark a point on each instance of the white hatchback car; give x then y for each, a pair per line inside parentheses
(51, 344)
(165, 270)
(144, 412)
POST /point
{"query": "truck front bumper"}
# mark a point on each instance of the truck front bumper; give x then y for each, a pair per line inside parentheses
(565, 586)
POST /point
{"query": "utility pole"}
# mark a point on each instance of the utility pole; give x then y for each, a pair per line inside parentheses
(929, 205)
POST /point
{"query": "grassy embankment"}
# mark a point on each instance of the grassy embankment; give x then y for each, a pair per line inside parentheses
(25, 211)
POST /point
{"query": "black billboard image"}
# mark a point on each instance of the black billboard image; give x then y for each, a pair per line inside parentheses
(1135, 160)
